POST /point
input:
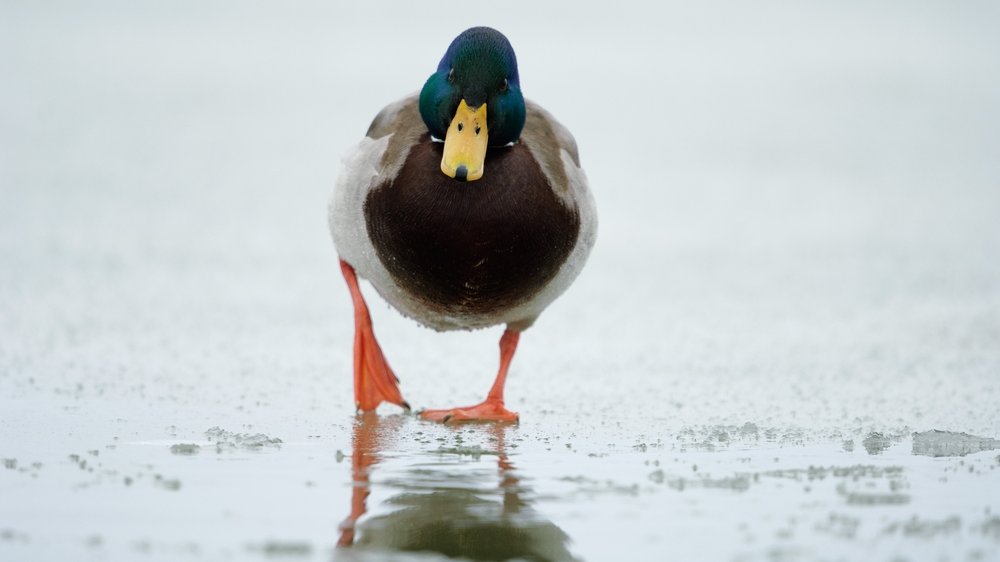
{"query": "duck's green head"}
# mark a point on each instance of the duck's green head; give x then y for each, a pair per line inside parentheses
(473, 101)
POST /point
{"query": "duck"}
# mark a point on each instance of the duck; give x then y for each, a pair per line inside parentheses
(465, 206)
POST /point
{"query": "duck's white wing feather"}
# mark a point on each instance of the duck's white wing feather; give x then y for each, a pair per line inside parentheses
(377, 157)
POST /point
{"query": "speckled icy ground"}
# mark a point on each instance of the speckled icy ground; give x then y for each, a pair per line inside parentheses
(798, 269)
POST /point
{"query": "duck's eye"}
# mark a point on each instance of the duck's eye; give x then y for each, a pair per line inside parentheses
(503, 87)
(451, 75)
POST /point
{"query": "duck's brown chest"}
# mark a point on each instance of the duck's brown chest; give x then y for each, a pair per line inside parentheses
(470, 248)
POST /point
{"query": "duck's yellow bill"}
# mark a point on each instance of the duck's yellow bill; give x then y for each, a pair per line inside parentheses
(465, 144)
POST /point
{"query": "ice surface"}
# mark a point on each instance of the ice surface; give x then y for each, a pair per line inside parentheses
(876, 442)
(936, 443)
(228, 440)
(795, 288)
(185, 449)
(285, 549)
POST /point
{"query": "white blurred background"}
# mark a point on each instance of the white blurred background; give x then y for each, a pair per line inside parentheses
(768, 176)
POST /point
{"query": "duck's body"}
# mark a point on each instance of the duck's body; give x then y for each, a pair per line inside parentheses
(454, 254)
(464, 255)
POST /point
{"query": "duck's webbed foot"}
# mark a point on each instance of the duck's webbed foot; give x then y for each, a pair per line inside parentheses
(487, 411)
(492, 409)
(374, 381)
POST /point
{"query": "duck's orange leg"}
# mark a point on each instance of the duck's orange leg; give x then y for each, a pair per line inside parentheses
(374, 381)
(491, 409)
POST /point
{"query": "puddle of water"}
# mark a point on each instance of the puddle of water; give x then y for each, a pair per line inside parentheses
(392, 487)
(483, 500)
(444, 506)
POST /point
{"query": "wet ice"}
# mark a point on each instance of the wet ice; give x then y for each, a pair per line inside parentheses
(185, 449)
(228, 440)
(937, 443)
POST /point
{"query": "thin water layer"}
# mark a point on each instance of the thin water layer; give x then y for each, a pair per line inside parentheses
(393, 487)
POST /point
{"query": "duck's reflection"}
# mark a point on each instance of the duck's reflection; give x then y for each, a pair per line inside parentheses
(445, 505)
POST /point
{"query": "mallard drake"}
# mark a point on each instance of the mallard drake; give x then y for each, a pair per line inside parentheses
(465, 207)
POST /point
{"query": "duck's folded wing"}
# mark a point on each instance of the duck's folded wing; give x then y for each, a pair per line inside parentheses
(548, 139)
(401, 122)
